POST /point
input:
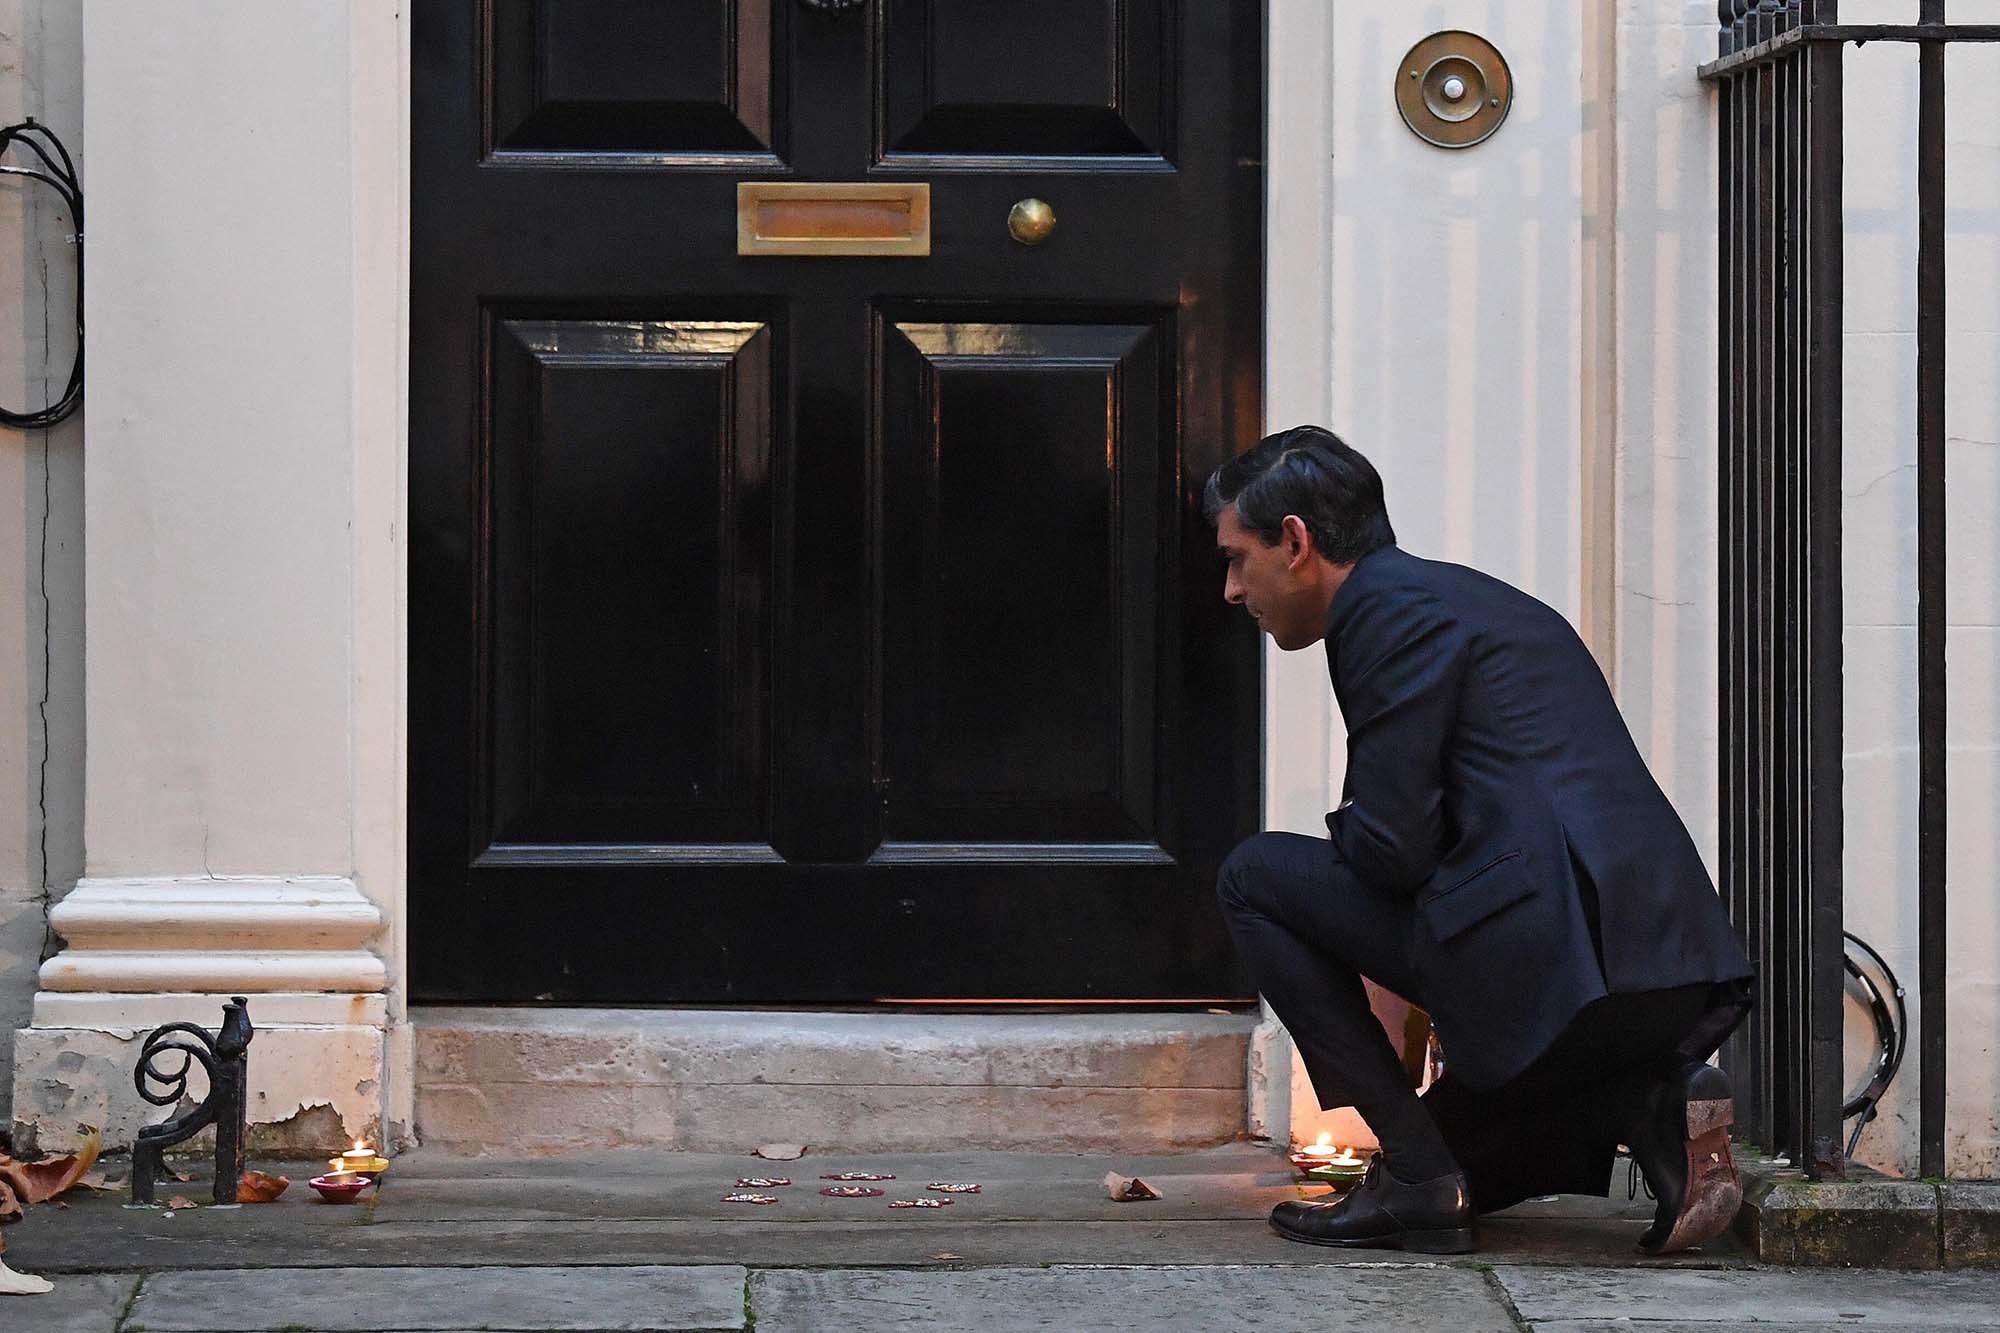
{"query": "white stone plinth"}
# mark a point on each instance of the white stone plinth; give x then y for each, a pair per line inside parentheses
(313, 1088)
(144, 952)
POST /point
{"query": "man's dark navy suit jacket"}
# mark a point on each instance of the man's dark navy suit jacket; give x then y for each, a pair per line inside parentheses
(1491, 778)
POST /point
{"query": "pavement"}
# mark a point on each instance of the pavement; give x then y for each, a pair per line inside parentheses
(642, 1241)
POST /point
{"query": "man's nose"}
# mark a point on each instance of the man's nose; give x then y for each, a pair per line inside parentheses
(1232, 591)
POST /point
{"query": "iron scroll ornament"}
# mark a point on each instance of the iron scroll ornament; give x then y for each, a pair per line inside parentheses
(225, 1059)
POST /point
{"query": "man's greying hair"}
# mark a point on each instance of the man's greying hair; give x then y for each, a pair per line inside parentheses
(1306, 471)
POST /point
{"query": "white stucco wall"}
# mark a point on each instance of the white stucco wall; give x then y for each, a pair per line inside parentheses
(41, 514)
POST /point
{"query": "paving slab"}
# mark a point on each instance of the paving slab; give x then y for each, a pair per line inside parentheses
(1972, 1224)
(1762, 1324)
(1867, 1222)
(1219, 1299)
(1572, 1300)
(87, 1304)
(437, 1300)
(665, 1208)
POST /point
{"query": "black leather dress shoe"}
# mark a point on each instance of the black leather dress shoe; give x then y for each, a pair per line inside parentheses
(1681, 1142)
(1384, 1213)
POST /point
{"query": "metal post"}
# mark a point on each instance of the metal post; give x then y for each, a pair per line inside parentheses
(1767, 858)
(1823, 947)
(1742, 1055)
(232, 1095)
(1791, 463)
(1931, 914)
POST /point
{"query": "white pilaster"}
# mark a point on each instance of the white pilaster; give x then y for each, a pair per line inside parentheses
(243, 583)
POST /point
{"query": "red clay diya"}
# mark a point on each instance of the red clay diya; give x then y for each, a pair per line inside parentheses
(340, 1186)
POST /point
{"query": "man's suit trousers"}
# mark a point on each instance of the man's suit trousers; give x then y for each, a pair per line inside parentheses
(1309, 930)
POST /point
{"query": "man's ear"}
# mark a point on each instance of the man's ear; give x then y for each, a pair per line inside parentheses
(1298, 542)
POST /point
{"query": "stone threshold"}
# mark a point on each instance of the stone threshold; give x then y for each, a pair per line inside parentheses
(555, 1080)
(1869, 1220)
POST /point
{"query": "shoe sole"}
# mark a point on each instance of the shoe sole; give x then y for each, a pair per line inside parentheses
(1451, 1240)
(1714, 1191)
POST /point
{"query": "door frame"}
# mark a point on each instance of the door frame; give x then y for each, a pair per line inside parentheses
(1299, 759)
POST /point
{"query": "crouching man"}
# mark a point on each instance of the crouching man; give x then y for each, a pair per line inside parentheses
(1501, 857)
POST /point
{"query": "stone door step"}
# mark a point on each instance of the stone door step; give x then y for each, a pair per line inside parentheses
(570, 1080)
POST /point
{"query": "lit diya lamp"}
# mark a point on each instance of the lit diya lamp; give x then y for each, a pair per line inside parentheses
(360, 1160)
(1323, 1161)
(340, 1186)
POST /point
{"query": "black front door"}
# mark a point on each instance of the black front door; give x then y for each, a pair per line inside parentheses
(797, 629)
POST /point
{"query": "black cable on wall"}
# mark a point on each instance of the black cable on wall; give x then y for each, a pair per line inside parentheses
(59, 174)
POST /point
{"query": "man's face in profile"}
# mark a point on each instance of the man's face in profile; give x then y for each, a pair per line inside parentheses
(1267, 580)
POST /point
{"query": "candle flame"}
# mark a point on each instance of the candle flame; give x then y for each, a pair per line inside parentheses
(360, 1145)
(1325, 1141)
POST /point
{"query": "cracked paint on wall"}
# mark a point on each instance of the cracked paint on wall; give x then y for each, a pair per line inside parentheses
(312, 1090)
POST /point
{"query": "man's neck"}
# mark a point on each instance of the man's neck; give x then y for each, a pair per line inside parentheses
(1332, 578)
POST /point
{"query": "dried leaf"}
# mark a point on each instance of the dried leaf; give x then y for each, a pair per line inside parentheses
(782, 1152)
(260, 1187)
(38, 1182)
(11, 1209)
(93, 1180)
(182, 1201)
(177, 1177)
(1128, 1189)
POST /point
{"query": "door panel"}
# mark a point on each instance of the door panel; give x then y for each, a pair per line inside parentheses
(631, 76)
(826, 630)
(1090, 77)
(1024, 473)
(628, 556)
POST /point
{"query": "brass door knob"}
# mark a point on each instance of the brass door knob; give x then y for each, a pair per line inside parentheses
(1031, 221)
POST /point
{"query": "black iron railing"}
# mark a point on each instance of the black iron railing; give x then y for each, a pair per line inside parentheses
(1779, 82)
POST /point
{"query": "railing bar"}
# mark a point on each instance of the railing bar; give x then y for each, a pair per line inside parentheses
(1738, 1057)
(1801, 665)
(1824, 948)
(1784, 810)
(1931, 618)
(1815, 34)
(1772, 942)
(1789, 810)
(1753, 774)
(1782, 615)
(1770, 793)
(1747, 904)
(1763, 922)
